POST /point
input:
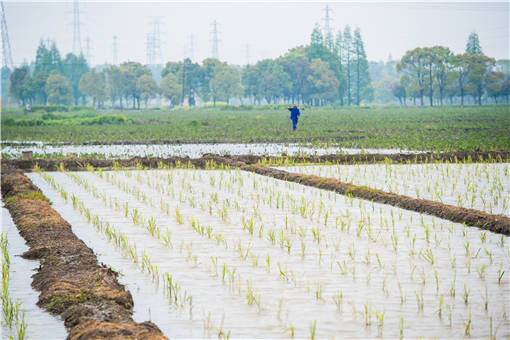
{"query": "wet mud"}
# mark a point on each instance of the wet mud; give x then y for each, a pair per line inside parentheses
(71, 282)
(77, 164)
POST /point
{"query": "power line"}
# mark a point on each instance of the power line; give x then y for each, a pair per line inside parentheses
(6, 45)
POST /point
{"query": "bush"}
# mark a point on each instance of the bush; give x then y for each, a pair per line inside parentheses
(50, 108)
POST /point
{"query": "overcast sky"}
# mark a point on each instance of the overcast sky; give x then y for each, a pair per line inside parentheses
(268, 28)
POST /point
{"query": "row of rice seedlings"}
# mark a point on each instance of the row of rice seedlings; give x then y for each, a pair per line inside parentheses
(228, 271)
(248, 225)
(177, 296)
(436, 181)
(12, 314)
(234, 278)
(436, 280)
(429, 256)
(252, 298)
(393, 238)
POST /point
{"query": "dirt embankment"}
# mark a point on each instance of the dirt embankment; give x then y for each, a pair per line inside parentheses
(87, 295)
(403, 158)
(495, 223)
(74, 164)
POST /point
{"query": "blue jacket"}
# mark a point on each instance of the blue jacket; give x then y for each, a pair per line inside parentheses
(294, 113)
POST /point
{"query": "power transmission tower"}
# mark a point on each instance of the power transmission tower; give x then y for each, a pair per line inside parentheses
(328, 36)
(88, 51)
(115, 50)
(215, 40)
(6, 45)
(153, 43)
(77, 49)
(247, 54)
(191, 52)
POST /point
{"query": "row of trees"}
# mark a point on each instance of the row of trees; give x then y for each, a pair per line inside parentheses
(437, 72)
(326, 71)
(329, 70)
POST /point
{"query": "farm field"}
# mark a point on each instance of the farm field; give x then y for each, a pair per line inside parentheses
(241, 255)
(405, 128)
(481, 186)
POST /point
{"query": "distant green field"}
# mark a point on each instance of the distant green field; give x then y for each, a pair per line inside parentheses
(412, 128)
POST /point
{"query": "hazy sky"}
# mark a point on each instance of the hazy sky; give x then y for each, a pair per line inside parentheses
(268, 28)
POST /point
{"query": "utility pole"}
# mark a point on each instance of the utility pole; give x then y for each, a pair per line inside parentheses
(215, 40)
(6, 45)
(115, 50)
(77, 49)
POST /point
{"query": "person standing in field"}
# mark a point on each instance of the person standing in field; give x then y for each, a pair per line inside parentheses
(294, 115)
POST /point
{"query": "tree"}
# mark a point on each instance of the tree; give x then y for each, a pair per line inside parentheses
(340, 52)
(347, 53)
(272, 81)
(210, 67)
(19, 79)
(113, 81)
(323, 82)
(147, 88)
(74, 67)
(317, 46)
(478, 67)
(226, 83)
(412, 64)
(171, 88)
(58, 89)
(6, 83)
(494, 84)
(249, 83)
(92, 84)
(295, 64)
(505, 89)
(131, 71)
(39, 84)
(399, 91)
(47, 58)
(442, 67)
(361, 67)
(460, 64)
(473, 45)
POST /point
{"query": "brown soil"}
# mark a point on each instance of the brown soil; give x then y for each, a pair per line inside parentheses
(76, 164)
(72, 283)
(495, 223)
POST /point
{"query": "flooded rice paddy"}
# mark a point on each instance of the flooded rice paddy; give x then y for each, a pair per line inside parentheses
(13, 150)
(39, 324)
(209, 253)
(481, 186)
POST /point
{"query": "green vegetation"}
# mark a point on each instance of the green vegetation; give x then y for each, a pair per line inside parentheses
(434, 129)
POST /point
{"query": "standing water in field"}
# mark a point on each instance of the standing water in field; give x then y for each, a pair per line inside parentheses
(481, 186)
(14, 150)
(40, 324)
(250, 256)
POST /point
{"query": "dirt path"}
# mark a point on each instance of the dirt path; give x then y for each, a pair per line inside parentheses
(86, 294)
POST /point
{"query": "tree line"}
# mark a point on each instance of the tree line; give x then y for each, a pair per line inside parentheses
(435, 72)
(330, 70)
